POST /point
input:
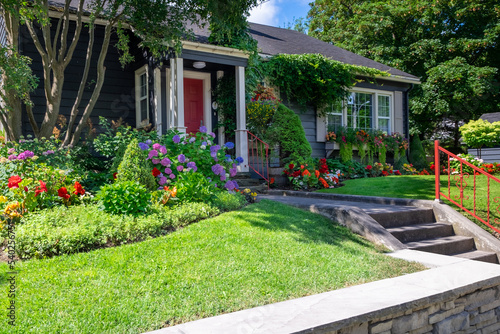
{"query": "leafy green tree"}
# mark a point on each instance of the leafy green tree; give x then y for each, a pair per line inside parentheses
(477, 134)
(160, 25)
(451, 45)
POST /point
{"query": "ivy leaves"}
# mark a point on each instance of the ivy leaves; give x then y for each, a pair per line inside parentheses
(313, 79)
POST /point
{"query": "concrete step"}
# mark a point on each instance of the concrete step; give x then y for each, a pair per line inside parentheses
(397, 218)
(449, 245)
(418, 232)
(479, 256)
(249, 182)
(260, 189)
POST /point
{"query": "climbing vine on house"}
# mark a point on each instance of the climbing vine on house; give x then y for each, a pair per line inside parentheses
(313, 79)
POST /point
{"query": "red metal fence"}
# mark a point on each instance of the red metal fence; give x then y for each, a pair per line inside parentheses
(258, 156)
(458, 178)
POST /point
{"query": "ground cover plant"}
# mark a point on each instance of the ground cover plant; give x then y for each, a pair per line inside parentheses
(264, 253)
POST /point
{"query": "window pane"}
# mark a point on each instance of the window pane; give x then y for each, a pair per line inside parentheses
(334, 122)
(383, 124)
(360, 111)
(384, 108)
(143, 85)
(144, 109)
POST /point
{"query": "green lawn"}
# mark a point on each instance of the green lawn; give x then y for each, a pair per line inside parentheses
(264, 253)
(422, 187)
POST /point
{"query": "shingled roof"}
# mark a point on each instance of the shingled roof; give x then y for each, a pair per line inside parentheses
(491, 117)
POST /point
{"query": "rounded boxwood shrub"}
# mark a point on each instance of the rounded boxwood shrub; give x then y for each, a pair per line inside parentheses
(135, 167)
(125, 197)
(288, 133)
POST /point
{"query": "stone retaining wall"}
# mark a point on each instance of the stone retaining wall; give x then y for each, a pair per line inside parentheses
(476, 312)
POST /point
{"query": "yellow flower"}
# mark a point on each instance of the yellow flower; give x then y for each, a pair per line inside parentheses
(3, 199)
(253, 194)
(247, 191)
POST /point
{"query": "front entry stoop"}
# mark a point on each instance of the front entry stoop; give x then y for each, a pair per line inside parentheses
(398, 223)
(419, 230)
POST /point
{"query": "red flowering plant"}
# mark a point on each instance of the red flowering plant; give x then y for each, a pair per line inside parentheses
(379, 169)
(310, 175)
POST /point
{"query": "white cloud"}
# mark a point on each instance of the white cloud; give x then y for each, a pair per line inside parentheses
(266, 13)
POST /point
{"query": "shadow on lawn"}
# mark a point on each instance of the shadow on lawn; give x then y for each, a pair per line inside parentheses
(307, 227)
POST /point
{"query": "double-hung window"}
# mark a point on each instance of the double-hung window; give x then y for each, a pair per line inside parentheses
(141, 97)
(364, 110)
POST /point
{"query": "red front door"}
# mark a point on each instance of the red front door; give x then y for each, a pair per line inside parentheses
(193, 104)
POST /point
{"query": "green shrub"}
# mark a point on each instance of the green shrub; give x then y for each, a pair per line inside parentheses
(288, 133)
(136, 167)
(126, 197)
(226, 201)
(62, 230)
(417, 154)
(350, 169)
(194, 187)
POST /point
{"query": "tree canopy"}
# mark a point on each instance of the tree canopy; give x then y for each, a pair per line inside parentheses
(453, 46)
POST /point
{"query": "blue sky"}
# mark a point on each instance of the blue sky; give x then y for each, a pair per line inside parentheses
(278, 13)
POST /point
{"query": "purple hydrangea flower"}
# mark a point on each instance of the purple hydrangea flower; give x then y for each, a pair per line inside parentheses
(204, 143)
(163, 180)
(180, 168)
(156, 161)
(191, 164)
(223, 177)
(12, 157)
(163, 150)
(232, 172)
(192, 139)
(218, 169)
(48, 152)
(229, 145)
(212, 134)
(148, 142)
(143, 146)
(152, 153)
(156, 146)
(203, 129)
(239, 160)
(172, 176)
(230, 185)
(11, 150)
(168, 171)
(166, 162)
(213, 155)
(181, 158)
(214, 148)
(176, 139)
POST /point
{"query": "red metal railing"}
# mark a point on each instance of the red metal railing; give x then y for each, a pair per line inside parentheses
(460, 179)
(258, 156)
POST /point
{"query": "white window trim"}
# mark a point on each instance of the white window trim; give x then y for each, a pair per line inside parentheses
(207, 95)
(138, 73)
(375, 94)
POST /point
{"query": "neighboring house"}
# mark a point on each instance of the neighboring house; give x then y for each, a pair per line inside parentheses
(488, 154)
(175, 92)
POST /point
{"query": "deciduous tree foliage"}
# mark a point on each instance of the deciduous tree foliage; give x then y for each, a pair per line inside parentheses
(159, 24)
(453, 46)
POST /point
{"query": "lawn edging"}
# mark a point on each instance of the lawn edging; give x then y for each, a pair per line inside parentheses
(457, 296)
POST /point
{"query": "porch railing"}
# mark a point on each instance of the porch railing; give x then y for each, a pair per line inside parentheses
(460, 180)
(258, 156)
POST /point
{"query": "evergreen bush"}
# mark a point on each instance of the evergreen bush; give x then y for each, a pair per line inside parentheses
(417, 154)
(288, 133)
(135, 167)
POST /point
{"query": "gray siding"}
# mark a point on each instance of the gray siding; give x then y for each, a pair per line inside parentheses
(117, 98)
(489, 154)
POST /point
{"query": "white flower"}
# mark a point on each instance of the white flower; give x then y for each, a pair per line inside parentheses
(203, 147)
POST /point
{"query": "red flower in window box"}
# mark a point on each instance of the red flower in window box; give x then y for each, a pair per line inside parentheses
(155, 172)
(14, 181)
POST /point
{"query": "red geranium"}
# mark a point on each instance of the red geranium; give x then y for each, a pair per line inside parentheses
(78, 189)
(14, 181)
(296, 173)
(63, 193)
(369, 167)
(155, 172)
(41, 188)
(291, 166)
(316, 173)
(397, 172)
(271, 181)
(384, 173)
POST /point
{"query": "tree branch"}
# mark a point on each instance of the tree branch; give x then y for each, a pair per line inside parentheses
(76, 36)
(76, 105)
(64, 34)
(101, 71)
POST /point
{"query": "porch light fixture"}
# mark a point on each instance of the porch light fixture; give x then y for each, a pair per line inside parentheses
(199, 64)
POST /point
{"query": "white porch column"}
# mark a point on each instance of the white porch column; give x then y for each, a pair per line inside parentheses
(241, 128)
(157, 101)
(178, 88)
(221, 132)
